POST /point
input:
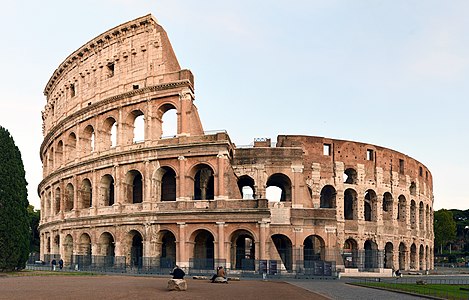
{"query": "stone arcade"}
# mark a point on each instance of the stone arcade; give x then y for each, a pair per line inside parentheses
(117, 191)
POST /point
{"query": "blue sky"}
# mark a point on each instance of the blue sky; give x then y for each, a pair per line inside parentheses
(390, 73)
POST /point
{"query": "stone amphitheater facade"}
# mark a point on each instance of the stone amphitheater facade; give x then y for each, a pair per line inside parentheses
(195, 196)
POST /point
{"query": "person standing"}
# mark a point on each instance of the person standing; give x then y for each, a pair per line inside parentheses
(53, 264)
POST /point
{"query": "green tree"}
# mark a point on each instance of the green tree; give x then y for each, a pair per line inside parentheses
(14, 221)
(34, 217)
(444, 228)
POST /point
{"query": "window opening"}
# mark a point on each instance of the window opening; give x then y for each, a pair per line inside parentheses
(401, 166)
(72, 90)
(139, 129)
(283, 184)
(350, 176)
(110, 70)
(327, 198)
(327, 149)
(114, 135)
(169, 123)
(369, 154)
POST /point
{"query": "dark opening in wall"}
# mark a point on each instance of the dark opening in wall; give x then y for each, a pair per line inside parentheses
(135, 87)
(420, 171)
(350, 176)
(401, 166)
(110, 70)
(72, 90)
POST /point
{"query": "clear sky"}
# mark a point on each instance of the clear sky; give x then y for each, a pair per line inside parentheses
(391, 73)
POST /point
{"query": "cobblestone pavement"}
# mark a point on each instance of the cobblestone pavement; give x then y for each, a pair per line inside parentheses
(338, 289)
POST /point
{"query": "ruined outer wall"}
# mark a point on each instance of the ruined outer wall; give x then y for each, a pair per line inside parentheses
(313, 163)
(131, 71)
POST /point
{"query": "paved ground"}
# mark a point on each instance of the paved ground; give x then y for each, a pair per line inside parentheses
(338, 289)
(136, 288)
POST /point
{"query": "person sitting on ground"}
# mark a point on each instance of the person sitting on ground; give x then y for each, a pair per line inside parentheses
(178, 273)
(220, 273)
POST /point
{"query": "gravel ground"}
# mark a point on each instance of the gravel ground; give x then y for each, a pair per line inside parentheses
(128, 287)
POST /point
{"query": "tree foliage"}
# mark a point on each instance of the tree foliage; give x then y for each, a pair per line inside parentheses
(444, 227)
(34, 217)
(14, 221)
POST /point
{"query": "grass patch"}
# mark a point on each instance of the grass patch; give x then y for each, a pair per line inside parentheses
(447, 291)
(48, 273)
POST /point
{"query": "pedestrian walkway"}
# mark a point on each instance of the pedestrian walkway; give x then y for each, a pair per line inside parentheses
(338, 289)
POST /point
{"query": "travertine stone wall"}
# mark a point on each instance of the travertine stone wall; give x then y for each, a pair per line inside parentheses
(107, 193)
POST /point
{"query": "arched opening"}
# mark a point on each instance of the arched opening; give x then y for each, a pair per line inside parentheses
(242, 250)
(169, 121)
(71, 146)
(134, 187)
(401, 209)
(387, 206)
(371, 255)
(313, 250)
(402, 256)
(273, 193)
(68, 249)
(107, 190)
(204, 183)
(57, 201)
(370, 206)
(282, 182)
(138, 126)
(421, 258)
(283, 245)
(350, 204)
(328, 195)
(168, 249)
(350, 176)
(84, 251)
(413, 257)
(246, 187)
(168, 185)
(86, 194)
(388, 256)
(204, 251)
(421, 217)
(106, 249)
(59, 154)
(136, 249)
(69, 196)
(350, 253)
(109, 133)
(87, 140)
(413, 215)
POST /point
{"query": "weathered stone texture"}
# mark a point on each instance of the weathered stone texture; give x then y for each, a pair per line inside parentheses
(195, 194)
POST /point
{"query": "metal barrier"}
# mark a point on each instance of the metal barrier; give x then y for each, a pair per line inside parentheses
(440, 288)
(197, 266)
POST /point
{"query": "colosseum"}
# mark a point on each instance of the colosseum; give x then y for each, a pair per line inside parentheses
(118, 192)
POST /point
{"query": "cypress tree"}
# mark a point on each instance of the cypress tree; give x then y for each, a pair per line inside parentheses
(14, 221)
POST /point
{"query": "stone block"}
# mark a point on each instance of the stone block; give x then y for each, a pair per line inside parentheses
(177, 285)
(220, 280)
